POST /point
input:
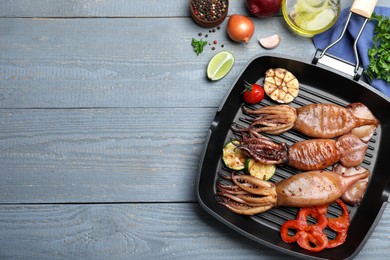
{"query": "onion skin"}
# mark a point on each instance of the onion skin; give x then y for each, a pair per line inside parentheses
(240, 28)
(263, 8)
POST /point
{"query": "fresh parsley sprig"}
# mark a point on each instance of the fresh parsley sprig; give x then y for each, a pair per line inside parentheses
(198, 45)
(379, 54)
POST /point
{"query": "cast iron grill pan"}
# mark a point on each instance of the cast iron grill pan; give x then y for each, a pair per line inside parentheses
(317, 85)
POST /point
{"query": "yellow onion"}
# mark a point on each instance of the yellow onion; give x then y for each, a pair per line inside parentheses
(240, 28)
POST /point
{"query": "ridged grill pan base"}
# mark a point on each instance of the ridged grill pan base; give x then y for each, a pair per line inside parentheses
(317, 85)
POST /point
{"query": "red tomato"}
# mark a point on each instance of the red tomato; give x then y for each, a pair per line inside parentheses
(253, 93)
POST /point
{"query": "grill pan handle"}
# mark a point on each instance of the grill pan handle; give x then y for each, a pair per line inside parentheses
(363, 8)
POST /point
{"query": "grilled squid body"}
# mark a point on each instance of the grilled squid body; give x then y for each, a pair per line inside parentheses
(317, 154)
(314, 188)
(250, 195)
(330, 120)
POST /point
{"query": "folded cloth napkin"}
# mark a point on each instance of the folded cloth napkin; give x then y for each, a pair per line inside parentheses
(344, 48)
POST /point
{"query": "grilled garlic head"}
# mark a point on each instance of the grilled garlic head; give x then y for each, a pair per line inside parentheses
(281, 85)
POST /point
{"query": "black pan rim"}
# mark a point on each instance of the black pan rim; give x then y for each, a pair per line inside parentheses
(210, 208)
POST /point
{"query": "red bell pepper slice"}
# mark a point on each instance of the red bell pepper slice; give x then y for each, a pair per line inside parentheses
(315, 240)
(340, 225)
(312, 237)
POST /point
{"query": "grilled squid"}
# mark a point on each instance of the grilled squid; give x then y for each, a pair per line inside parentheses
(354, 195)
(307, 155)
(314, 120)
(249, 195)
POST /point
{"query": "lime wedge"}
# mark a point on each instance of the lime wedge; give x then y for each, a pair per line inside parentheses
(220, 65)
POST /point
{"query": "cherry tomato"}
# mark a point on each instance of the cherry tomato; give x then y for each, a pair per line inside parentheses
(253, 93)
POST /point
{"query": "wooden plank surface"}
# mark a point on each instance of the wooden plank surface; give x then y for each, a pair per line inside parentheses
(137, 231)
(49, 59)
(114, 8)
(101, 155)
(97, 8)
(104, 110)
(64, 62)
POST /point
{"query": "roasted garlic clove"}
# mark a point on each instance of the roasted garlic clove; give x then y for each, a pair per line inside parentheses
(281, 85)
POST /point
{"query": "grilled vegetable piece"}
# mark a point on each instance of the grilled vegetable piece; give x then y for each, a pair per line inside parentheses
(281, 85)
(253, 93)
(259, 170)
(312, 236)
(233, 157)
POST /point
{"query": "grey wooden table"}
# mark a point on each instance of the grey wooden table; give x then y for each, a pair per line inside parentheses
(104, 110)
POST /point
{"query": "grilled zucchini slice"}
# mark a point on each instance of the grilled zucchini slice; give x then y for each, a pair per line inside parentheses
(233, 157)
(259, 170)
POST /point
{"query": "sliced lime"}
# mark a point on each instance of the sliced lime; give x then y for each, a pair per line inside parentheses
(220, 65)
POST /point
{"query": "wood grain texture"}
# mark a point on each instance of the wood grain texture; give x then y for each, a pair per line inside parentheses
(97, 8)
(107, 8)
(101, 155)
(143, 231)
(66, 63)
(114, 8)
(61, 63)
(104, 109)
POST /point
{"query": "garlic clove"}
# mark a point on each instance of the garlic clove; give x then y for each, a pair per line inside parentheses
(269, 42)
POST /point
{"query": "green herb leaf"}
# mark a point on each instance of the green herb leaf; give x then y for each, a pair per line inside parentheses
(198, 45)
(379, 54)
